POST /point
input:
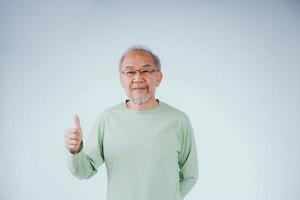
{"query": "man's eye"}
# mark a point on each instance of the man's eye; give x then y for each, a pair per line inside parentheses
(145, 71)
(130, 72)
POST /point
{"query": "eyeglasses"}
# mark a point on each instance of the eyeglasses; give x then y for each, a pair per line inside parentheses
(143, 72)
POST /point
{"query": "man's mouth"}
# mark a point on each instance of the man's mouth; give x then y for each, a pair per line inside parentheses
(138, 87)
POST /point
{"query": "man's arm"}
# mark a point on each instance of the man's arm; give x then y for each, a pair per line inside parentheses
(188, 161)
(84, 164)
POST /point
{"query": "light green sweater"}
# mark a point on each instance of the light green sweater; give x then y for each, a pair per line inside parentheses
(149, 155)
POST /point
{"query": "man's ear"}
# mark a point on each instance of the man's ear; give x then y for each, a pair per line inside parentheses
(160, 77)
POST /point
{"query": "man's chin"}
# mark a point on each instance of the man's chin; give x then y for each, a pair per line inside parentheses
(140, 100)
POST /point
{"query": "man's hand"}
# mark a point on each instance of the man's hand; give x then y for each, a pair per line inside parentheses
(73, 137)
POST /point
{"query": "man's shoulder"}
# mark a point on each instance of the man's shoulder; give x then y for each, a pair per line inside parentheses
(173, 110)
(177, 115)
(112, 109)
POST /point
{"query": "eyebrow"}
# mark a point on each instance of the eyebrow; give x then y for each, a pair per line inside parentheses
(143, 66)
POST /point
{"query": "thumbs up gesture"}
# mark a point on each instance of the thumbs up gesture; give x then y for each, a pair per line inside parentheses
(73, 137)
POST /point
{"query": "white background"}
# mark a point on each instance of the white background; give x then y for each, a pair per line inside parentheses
(232, 66)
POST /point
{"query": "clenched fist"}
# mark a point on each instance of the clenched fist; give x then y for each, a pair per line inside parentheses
(73, 137)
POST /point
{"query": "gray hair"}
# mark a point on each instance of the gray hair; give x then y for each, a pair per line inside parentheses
(143, 49)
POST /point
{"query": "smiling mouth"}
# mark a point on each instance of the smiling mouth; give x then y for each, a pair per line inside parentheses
(138, 88)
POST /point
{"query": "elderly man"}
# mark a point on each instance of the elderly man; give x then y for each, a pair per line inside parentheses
(147, 145)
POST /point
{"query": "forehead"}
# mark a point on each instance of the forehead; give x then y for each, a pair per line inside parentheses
(137, 59)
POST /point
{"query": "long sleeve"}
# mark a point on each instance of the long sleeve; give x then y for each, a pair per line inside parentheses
(188, 161)
(84, 164)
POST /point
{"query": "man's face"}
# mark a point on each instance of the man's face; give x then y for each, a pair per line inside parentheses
(140, 88)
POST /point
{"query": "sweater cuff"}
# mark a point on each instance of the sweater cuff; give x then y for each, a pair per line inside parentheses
(76, 156)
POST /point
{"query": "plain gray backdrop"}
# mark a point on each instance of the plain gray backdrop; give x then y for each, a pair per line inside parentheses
(232, 66)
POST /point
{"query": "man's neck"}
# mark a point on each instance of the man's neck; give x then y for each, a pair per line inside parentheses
(146, 106)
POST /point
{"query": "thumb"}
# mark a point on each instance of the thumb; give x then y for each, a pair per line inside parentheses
(77, 121)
